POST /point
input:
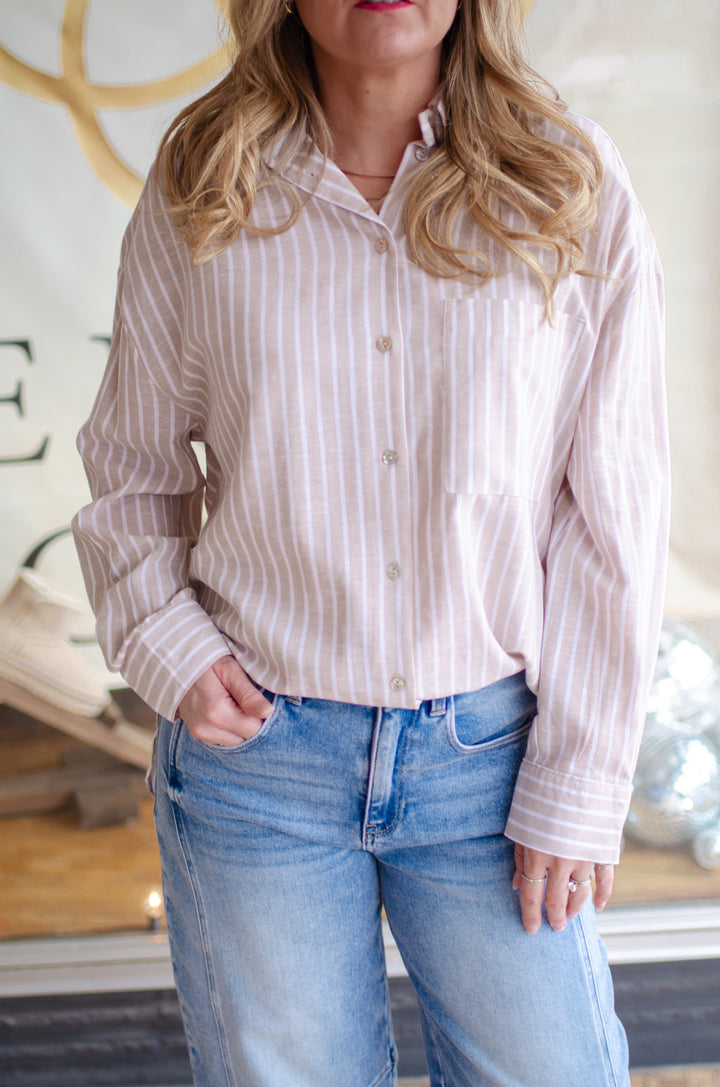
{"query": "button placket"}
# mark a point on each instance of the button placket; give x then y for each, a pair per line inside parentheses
(394, 486)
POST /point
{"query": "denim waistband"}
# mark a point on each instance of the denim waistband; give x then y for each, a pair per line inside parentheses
(510, 693)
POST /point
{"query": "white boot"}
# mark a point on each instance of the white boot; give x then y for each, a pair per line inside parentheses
(35, 651)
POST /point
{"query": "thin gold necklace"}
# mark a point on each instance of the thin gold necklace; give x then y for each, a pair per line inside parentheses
(375, 177)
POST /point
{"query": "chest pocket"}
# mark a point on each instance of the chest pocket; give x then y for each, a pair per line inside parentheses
(504, 366)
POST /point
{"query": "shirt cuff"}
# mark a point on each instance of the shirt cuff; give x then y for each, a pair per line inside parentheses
(567, 816)
(169, 651)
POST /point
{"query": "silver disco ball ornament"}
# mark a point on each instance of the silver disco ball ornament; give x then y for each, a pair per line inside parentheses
(676, 790)
(685, 693)
(706, 848)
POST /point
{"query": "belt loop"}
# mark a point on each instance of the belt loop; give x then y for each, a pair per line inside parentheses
(438, 707)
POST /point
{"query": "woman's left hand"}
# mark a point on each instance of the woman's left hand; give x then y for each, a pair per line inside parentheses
(540, 876)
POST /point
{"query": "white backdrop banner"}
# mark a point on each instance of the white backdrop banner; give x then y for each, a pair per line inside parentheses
(86, 90)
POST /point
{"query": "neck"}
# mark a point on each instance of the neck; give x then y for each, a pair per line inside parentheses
(372, 115)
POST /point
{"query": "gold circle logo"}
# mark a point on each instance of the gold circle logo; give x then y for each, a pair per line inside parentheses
(84, 99)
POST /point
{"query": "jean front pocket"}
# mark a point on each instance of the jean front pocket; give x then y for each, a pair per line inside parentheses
(471, 733)
(503, 367)
(243, 746)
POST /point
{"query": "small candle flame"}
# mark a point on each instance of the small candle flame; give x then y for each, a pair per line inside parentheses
(153, 905)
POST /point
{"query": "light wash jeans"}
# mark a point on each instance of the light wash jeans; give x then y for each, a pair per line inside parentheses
(278, 855)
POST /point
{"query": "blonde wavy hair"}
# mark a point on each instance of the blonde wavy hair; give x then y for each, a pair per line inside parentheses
(493, 155)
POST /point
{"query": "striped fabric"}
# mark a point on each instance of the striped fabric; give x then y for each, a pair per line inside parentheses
(414, 486)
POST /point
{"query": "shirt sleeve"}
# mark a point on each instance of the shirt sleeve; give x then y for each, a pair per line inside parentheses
(135, 538)
(604, 589)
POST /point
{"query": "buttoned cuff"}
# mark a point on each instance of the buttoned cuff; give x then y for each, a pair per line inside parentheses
(568, 816)
(169, 651)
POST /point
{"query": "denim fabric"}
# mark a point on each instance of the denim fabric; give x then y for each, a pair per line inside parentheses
(277, 857)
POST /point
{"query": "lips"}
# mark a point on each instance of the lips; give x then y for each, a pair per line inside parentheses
(383, 5)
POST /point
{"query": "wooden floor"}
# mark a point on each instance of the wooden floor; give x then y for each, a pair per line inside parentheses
(57, 878)
(695, 1076)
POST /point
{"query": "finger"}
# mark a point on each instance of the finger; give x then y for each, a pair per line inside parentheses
(577, 898)
(531, 900)
(213, 714)
(251, 702)
(218, 720)
(568, 888)
(519, 863)
(216, 737)
(556, 897)
(532, 888)
(604, 881)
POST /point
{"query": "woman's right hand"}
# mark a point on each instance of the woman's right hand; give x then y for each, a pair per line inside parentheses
(222, 706)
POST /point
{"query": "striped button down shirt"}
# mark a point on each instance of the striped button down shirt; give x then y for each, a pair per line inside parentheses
(413, 486)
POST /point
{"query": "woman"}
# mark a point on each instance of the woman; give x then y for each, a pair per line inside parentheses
(412, 309)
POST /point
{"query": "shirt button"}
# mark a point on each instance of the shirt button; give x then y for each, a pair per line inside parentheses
(421, 153)
(393, 571)
(397, 683)
(383, 343)
(390, 457)
(381, 245)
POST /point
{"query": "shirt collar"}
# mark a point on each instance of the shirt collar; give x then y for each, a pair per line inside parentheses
(433, 120)
(295, 156)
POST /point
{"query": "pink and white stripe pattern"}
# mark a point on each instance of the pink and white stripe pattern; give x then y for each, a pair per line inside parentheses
(413, 486)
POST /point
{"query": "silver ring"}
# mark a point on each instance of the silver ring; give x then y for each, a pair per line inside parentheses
(573, 884)
(529, 879)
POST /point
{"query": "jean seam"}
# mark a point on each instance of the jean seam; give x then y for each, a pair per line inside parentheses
(382, 832)
(392, 1051)
(601, 1026)
(205, 944)
(384, 1074)
(432, 1029)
